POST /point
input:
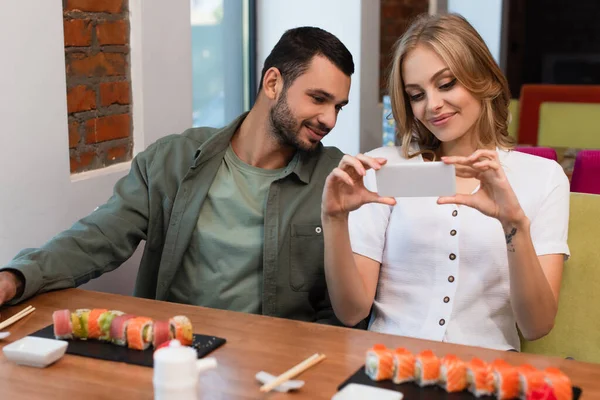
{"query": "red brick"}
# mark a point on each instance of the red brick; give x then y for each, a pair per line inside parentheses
(78, 32)
(82, 162)
(114, 93)
(116, 154)
(395, 18)
(114, 32)
(391, 11)
(98, 65)
(73, 134)
(80, 98)
(109, 6)
(108, 128)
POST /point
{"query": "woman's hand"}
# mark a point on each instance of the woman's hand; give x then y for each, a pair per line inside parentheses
(344, 188)
(495, 197)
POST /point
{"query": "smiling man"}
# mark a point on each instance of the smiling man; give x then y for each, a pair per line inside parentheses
(231, 217)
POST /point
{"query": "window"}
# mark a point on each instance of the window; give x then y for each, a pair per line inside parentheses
(223, 60)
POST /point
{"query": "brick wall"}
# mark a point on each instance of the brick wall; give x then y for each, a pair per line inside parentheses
(98, 82)
(396, 16)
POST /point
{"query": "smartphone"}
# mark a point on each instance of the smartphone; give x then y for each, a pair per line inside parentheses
(422, 179)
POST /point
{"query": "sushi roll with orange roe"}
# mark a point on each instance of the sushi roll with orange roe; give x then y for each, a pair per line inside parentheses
(453, 374)
(118, 329)
(404, 366)
(94, 329)
(427, 368)
(560, 382)
(379, 363)
(181, 329)
(530, 379)
(480, 378)
(506, 380)
(139, 333)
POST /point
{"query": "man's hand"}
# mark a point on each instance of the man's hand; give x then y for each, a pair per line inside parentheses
(10, 285)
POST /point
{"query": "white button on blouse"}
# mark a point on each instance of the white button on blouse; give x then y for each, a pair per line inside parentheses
(444, 269)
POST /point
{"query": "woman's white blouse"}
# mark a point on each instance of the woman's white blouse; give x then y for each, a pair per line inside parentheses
(444, 268)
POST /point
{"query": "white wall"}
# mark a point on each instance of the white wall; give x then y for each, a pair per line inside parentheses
(38, 197)
(356, 24)
(486, 18)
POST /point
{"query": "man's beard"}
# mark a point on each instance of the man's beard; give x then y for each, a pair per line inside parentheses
(286, 129)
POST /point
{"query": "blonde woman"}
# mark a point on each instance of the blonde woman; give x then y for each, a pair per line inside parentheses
(466, 269)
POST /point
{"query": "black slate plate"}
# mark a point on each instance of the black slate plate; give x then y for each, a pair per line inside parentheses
(414, 392)
(107, 351)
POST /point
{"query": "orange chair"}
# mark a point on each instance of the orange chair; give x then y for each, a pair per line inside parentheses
(533, 95)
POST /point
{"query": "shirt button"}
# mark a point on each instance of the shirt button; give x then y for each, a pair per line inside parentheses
(454, 213)
(446, 299)
(450, 279)
(442, 322)
(452, 256)
(453, 232)
(318, 229)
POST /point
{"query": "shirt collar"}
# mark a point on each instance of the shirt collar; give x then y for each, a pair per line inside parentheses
(302, 164)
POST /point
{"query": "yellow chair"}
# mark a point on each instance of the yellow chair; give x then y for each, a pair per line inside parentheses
(572, 125)
(513, 125)
(576, 332)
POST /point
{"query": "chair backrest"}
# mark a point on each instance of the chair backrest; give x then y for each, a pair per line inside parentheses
(586, 172)
(545, 152)
(577, 326)
(513, 125)
(533, 95)
(572, 125)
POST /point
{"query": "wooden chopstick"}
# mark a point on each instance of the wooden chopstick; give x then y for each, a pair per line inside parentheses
(292, 372)
(21, 314)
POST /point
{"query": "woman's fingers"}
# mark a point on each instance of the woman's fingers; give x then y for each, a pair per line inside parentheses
(477, 156)
(374, 163)
(482, 153)
(361, 163)
(349, 162)
(484, 165)
(390, 201)
(466, 172)
(460, 199)
(342, 175)
(373, 197)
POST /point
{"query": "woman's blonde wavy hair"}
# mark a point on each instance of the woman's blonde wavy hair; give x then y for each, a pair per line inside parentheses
(459, 45)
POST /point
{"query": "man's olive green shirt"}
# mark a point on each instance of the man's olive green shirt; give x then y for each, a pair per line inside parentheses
(159, 201)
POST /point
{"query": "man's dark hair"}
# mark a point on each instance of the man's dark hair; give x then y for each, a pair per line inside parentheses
(295, 50)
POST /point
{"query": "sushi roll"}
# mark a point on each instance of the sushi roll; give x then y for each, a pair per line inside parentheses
(181, 329)
(118, 329)
(105, 322)
(530, 379)
(94, 331)
(453, 374)
(161, 334)
(544, 392)
(139, 333)
(79, 321)
(63, 327)
(379, 364)
(427, 368)
(560, 382)
(404, 366)
(480, 378)
(506, 380)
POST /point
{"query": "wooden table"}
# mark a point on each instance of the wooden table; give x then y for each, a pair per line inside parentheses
(254, 343)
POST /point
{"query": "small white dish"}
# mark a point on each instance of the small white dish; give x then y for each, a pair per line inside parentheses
(4, 335)
(35, 351)
(266, 378)
(356, 391)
